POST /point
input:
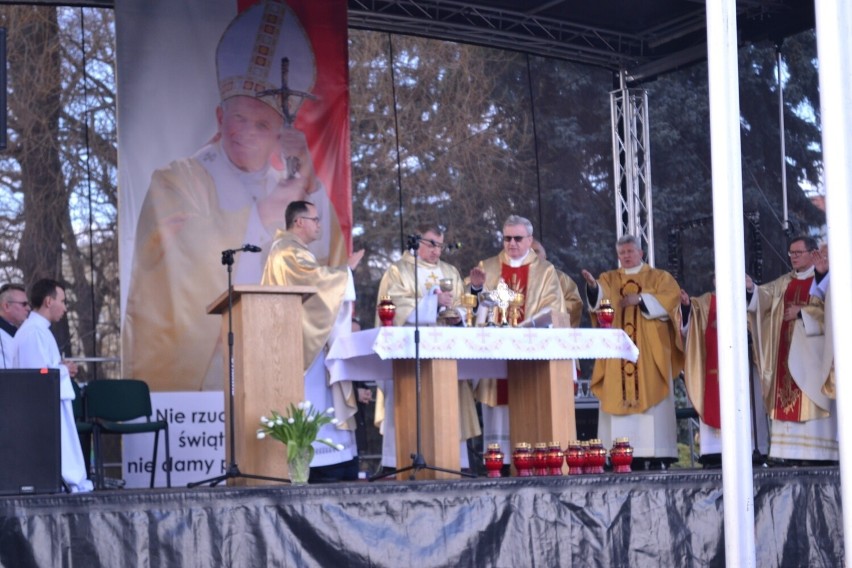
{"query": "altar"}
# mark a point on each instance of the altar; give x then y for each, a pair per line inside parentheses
(538, 363)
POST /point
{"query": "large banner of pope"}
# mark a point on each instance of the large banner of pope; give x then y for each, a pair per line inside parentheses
(228, 111)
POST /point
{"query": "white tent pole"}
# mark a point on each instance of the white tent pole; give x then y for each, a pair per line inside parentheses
(834, 48)
(737, 479)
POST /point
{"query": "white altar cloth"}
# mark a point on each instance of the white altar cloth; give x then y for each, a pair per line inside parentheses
(481, 352)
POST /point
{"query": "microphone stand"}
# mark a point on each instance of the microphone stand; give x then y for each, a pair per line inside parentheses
(233, 471)
(756, 456)
(418, 462)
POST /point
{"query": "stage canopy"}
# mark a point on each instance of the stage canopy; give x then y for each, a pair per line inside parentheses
(643, 39)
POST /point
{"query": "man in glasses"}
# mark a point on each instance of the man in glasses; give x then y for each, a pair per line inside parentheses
(637, 399)
(801, 410)
(14, 309)
(431, 300)
(327, 314)
(525, 272)
(35, 348)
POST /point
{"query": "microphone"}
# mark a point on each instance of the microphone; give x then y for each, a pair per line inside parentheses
(452, 246)
(244, 248)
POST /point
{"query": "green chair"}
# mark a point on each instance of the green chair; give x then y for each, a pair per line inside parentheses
(111, 403)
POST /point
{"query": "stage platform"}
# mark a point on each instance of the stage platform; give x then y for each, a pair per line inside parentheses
(670, 519)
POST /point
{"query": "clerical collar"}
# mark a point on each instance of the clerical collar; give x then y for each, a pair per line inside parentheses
(235, 188)
(254, 182)
(635, 269)
(296, 237)
(805, 274)
(515, 263)
(420, 261)
(8, 327)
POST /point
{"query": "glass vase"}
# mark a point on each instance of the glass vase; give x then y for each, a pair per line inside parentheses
(299, 463)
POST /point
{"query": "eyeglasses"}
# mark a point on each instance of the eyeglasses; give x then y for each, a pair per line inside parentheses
(314, 219)
(516, 238)
(24, 304)
(793, 253)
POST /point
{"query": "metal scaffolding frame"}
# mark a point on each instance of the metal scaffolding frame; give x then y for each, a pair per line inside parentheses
(575, 30)
(499, 27)
(631, 162)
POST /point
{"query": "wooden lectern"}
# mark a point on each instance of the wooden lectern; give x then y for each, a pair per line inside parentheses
(268, 370)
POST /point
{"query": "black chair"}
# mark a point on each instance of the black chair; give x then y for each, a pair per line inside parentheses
(110, 403)
(84, 426)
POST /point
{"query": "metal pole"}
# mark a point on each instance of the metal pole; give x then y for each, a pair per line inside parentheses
(834, 28)
(781, 132)
(737, 475)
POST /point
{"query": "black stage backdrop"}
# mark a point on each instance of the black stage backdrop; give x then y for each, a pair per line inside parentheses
(641, 519)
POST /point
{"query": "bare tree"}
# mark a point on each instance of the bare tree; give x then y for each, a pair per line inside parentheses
(58, 176)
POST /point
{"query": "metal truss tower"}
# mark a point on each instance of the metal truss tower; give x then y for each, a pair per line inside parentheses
(631, 155)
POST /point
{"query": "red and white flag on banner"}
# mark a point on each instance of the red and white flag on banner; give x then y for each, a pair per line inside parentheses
(325, 120)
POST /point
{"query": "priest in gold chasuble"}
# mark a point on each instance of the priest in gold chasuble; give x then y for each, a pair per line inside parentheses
(327, 314)
(803, 424)
(398, 284)
(637, 399)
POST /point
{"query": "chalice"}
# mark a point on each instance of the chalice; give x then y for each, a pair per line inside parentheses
(489, 300)
(449, 316)
(469, 302)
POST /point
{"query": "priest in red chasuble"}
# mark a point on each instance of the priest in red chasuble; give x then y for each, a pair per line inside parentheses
(523, 271)
(803, 426)
(637, 399)
(702, 380)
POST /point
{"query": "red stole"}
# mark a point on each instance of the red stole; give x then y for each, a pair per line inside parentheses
(788, 395)
(711, 369)
(516, 278)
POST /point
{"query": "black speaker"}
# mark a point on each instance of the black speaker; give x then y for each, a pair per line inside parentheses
(587, 423)
(30, 453)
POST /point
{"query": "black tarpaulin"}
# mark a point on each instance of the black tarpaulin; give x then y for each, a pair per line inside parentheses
(641, 519)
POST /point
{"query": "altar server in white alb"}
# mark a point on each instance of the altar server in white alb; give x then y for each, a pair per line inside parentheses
(36, 348)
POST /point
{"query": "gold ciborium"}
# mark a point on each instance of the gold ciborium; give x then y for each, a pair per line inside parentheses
(515, 306)
(469, 302)
(500, 298)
